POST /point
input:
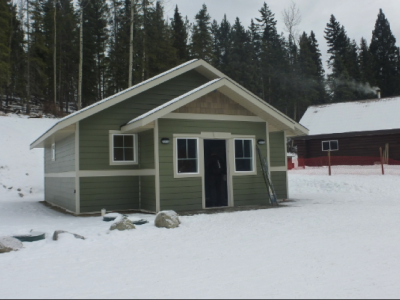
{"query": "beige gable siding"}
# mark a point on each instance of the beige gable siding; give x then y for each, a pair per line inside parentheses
(215, 103)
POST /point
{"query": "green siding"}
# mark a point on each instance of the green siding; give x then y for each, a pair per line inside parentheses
(65, 156)
(146, 150)
(148, 193)
(94, 130)
(111, 193)
(61, 192)
(277, 152)
(186, 193)
(279, 180)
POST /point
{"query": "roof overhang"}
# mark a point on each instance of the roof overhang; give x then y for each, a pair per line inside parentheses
(266, 112)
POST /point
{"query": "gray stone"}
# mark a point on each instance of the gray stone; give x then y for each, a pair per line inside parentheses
(58, 232)
(122, 224)
(167, 219)
(8, 244)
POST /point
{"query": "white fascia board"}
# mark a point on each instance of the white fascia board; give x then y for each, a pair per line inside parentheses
(117, 98)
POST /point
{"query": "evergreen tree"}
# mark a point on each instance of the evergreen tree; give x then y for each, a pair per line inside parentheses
(162, 56)
(15, 87)
(238, 61)
(365, 61)
(201, 36)
(5, 20)
(95, 36)
(179, 36)
(272, 57)
(386, 57)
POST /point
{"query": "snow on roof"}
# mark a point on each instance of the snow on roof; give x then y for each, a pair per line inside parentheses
(174, 101)
(118, 94)
(370, 115)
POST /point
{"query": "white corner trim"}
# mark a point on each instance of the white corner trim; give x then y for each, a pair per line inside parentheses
(77, 167)
(157, 166)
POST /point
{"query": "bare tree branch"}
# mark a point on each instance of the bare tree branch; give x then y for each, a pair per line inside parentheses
(292, 19)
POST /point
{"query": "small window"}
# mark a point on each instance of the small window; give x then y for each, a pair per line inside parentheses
(244, 155)
(187, 156)
(53, 152)
(124, 148)
(330, 146)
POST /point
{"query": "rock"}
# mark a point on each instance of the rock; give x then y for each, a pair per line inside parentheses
(167, 219)
(122, 224)
(21, 195)
(8, 244)
(58, 232)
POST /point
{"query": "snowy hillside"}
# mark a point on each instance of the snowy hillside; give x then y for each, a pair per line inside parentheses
(338, 237)
(21, 170)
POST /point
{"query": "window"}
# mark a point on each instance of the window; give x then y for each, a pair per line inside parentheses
(330, 146)
(187, 156)
(53, 152)
(124, 148)
(244, 161)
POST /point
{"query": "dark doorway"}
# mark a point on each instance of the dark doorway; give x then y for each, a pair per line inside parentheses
(216, 185)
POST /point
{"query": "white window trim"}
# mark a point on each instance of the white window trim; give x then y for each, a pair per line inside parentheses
(254, 171)
(322, 145)
(53, 152)
(135, 150)
(175, 159)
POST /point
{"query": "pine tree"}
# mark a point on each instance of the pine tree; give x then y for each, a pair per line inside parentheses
(201, 46)
(161, 54)
(179, 36)
(95, 34)
(5, 32)
(365, 61)
(273, 58)
(15, 88)
(386, 57)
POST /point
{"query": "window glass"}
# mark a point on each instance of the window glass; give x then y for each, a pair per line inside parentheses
(53, 152)
(244, 155)
(330, 146)
(187, 156)
(124, 148)
(334, 145)
(325, 146)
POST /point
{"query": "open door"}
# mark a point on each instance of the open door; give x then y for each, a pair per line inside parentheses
(215, 169)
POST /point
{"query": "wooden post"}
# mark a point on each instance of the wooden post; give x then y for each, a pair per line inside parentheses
(383, 170)
(329, 160)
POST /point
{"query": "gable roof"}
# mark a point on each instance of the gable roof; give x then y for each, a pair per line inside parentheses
(357, 116)
(67, 123)
(236, 92)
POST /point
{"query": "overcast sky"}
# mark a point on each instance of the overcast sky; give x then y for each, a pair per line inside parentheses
(357, 16)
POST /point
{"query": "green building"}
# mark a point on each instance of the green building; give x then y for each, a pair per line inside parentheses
(184, 140)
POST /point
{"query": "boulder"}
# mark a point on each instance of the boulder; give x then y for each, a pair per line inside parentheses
(8, 244)
(122, 223)
(58, 232)
(167, 219)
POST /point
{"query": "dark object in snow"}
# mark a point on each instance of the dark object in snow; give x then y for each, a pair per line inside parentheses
(58, 232)
(112, 217)
(21, 195)
(8, 244)
(140, 222)
(122, 224)
(167, 219)
(33, 236)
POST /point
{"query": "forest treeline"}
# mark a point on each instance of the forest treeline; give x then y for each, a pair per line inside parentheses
(127, 41)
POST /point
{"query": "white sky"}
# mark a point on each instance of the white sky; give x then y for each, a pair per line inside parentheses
(357, 16)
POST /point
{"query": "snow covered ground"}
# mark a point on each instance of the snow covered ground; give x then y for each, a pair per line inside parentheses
(337, 238)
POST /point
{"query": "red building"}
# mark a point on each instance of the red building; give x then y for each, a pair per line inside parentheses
(353, 133)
